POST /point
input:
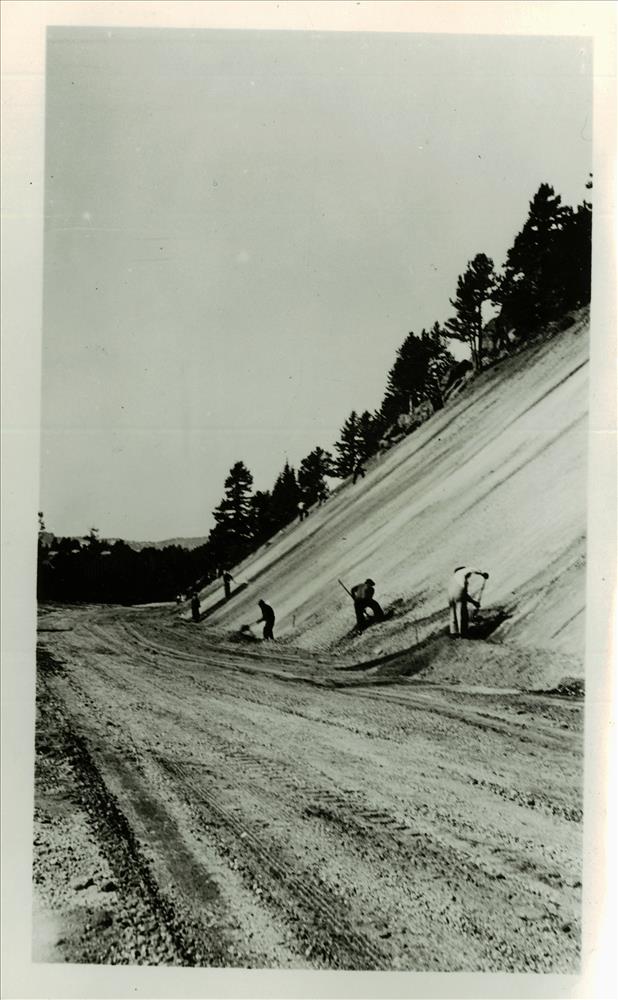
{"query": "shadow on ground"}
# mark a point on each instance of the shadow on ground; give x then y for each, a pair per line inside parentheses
(407, 662)
(224, 600)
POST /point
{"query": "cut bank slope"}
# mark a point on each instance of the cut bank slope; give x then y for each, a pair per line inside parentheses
(497, 479)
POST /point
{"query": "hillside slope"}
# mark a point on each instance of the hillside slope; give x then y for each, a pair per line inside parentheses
(497, 479)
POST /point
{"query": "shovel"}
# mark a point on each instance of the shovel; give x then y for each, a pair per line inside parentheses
(479, 598)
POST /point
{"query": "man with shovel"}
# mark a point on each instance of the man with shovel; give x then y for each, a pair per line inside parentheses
(362, 595)
(268, 617)
(459, 598)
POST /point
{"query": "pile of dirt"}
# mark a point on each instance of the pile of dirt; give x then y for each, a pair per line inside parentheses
(570, 687)
(471, 663)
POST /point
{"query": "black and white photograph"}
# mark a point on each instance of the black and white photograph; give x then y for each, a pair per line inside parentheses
(313, 499)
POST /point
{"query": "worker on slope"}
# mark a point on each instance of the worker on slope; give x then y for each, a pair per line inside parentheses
(195, 606)
(359, 472)
(227, 580)
(362, 595)
(268, 617)
(459, 598)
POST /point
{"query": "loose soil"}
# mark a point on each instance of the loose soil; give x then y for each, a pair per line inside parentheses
(211, 803)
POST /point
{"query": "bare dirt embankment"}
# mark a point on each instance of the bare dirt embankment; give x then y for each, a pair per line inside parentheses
(498, 480)
(394, 800)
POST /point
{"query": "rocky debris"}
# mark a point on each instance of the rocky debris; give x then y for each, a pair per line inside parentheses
(81, 883)
(570, 687)
(85, 828)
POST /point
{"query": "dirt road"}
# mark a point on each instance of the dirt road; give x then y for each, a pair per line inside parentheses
(202, 803)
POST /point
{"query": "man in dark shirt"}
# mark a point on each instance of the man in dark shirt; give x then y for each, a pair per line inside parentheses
(362, 595)
(268, 617)
(195, 607)
(359, 472)
(227, 579)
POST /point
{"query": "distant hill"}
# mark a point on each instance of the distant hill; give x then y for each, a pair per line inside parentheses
(183, 543)
(47, 537)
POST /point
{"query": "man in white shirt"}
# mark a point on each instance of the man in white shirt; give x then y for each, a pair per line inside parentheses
(459, 598)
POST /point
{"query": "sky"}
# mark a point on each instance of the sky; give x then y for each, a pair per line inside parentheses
(242, 227)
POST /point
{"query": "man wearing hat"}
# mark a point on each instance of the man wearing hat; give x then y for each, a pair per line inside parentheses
(362, 595)
(459, 598)
(268, 617)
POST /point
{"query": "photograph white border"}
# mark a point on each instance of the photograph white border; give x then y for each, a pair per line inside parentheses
(23, 101)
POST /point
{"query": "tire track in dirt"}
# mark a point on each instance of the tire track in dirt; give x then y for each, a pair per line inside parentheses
(425, 862)
(297, 888)
(88, 940)
(536, 801)
(425, 702)
(285, 784)
(368, 829)
(407, 700)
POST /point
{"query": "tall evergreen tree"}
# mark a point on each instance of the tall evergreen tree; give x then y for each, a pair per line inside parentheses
(419, 365)
(348, 447)
(263, 519)
(440, 362)
(285, 497)
(231, 536)
(474, 287)
(370, 427)
(532, 287)
(312, 474)
(575, 255)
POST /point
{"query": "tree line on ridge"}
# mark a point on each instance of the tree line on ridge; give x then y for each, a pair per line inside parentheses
(547, 272)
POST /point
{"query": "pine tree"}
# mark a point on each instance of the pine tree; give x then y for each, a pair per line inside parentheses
(440, 363)
(575, 255)
(406, 377)
(532, 288)
(232, 535)
(348, 447)
(474, 287)
(419, 365)
(285, 497)
(311, 475)
(263, 521)
(370, 428)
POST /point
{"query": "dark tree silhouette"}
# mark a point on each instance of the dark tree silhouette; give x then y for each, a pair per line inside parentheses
(264, 525)
(370, 427)
(440, 363)
(531, 289)
(474, 287)
(232, 535)
(285, 497)
(574, 263)
(420, 364)
(311, 475)
(348, 447)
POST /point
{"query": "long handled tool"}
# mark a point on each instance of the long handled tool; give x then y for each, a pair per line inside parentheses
(345, 588)
(479, 596)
